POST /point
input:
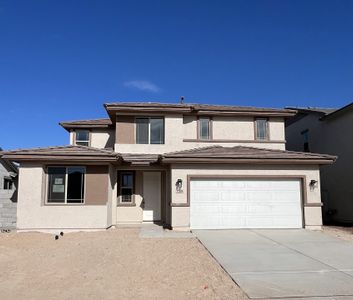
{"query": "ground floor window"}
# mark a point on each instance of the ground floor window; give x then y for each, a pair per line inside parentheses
(126, 187)
(66, 184)
(7, 184)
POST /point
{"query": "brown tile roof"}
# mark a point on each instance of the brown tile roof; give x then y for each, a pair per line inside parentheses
(195, 108)
(246, 154)
(89, 123)
(61, 153)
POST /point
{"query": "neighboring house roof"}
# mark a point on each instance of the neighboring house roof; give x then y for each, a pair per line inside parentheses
(72, 153)
(89, 123)
(241, 154)
(338, 112)
(122, 107)
(304, 111)
(309, 109)
(12, 168)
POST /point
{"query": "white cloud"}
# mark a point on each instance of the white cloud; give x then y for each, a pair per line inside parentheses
(143, 85)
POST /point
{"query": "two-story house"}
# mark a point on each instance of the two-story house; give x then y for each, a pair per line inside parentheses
(327, 130)
(188, 166)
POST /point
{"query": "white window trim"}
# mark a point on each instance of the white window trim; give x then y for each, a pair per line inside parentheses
(267, 137)
(66, 184)
(83, 141)
(149, 129)
(209, 128)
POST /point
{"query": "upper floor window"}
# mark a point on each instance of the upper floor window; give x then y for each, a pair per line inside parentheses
(261, 129)
(204, 128)
(305, 135)
(150, 130)
(7, 184)
(66, 185)
(82, 137)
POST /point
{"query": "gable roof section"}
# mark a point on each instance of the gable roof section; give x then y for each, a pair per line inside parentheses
(89, 123)
(241, 154)
(199, 109)
(62, 153)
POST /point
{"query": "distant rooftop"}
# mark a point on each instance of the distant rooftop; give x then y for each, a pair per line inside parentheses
(323, 110)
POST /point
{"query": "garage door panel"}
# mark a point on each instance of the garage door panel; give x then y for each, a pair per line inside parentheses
(217, 204)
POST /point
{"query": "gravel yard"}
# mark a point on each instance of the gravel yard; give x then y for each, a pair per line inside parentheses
(113, 264)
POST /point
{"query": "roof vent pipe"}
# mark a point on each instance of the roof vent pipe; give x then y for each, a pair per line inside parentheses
(182, 100)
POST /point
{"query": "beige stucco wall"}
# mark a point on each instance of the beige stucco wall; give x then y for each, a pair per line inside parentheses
(277, 129)
(102, 138)
(180, 215)
(233, 128)
(33, 214)
(178, 128)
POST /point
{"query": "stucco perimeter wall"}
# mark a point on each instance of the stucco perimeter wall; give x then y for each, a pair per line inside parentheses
(33, 214)
(178, 128)
(180, 216)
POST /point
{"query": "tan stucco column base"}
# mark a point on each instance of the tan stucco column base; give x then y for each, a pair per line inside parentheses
(313, 227)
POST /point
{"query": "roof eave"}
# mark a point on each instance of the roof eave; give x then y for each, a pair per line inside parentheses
(213, 160)
(19, 158)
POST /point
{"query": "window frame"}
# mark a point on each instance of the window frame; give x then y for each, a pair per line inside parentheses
(210, 128)
(10, 181)
(66, 185)
(149, 130)
(82, 141)
(119, 188)
(267, 137)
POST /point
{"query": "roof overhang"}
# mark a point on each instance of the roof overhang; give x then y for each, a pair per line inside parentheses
(215, 160)
(122, 108)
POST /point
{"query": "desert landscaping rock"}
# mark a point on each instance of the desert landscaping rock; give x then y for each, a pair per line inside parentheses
(114, 264)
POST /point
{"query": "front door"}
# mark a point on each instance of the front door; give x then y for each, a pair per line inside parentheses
(152, 196)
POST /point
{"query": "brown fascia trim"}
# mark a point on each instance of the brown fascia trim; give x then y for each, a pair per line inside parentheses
(195, 110)
(246, 113)
(70, 127)
(183, 160)
(235, 141)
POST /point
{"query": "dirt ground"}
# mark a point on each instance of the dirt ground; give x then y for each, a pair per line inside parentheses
(114, 264)
(345, 233)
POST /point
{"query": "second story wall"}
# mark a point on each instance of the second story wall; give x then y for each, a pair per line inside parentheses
(98, 138)
(181, 132)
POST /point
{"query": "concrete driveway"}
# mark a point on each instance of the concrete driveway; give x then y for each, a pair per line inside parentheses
(284, 264)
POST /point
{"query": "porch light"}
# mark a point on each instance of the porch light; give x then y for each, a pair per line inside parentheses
(179, 185)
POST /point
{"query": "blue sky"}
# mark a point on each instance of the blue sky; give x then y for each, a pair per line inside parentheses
(61, 60)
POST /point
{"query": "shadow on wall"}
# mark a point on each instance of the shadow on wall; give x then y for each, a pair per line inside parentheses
(110, 142)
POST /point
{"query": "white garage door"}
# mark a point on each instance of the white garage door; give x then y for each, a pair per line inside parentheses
(221, 204)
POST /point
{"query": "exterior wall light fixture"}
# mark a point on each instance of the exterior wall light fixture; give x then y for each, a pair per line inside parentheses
(179, 185)
(313, 184)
